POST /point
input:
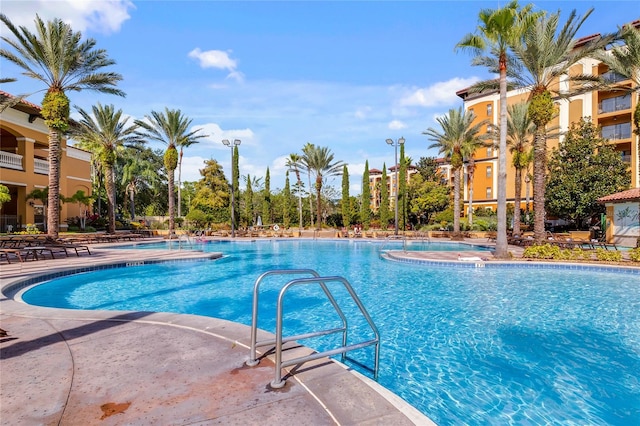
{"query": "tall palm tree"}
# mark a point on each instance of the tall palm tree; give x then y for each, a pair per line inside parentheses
(306, 150)
(294, 162)
(544, 56)
(105, 133)
(182, 144)
(171, 128)
(320, 161)
(520, 130)
(457, 137)
(625, 60)
(498, 30)
(56, 56)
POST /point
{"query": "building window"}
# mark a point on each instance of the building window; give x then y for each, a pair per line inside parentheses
(616, 131)
(489, 171)
(489, 193)
(489, 152)
(489, 109)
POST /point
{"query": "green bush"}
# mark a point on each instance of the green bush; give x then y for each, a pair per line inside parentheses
(634, 254)
(545, 251)
(608, 255)
(89, 229)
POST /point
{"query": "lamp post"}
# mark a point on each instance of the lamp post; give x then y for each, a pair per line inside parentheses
(396, 144)
(231, 145)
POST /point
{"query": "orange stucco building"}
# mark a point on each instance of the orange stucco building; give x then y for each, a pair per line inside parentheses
(24, 166)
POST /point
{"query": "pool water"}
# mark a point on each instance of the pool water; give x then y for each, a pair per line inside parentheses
(463, 345)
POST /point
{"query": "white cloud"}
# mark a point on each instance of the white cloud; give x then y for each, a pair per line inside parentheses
(438, 94)
(397, 125)
(216, 134)
(217, 59)
(362, 112)
(98, 16)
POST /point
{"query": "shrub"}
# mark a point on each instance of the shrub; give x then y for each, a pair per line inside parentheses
(545, 251)
(634, 254)
(89, 229)
(608, 255)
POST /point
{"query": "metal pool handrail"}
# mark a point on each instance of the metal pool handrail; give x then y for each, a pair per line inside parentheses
(279, 340)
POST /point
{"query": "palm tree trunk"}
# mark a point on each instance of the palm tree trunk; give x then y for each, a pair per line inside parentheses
(180, 184)
(318, 203)
(456, 202)
(471, 170)
(501, 237)
(132, 201)
(310, 200)
(516, 203)
(53, 203)
(172, 202)
(299, 201)
(539, 178)
(111, 198)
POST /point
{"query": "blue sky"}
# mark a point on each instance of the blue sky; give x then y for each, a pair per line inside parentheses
(344, 74)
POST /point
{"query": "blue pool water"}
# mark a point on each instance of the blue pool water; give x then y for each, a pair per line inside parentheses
(463, 345)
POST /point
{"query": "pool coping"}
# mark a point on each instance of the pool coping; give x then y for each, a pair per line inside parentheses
(360, 399)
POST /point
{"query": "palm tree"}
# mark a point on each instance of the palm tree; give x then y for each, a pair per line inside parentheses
(294, 162)
(136, 173)
(544, 56)
(306, 150)
(625, 60)
(183, 144)
(84, 201)
(41, 195)
(56, 56)
(104, 134)
(520, 130)
(458, 137)
(171, 128)
(320, 161)
(498, 30)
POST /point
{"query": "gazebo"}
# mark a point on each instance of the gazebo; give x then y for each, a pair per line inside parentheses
(623, 217)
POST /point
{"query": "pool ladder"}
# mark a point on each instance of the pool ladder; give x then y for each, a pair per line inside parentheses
(312, 278)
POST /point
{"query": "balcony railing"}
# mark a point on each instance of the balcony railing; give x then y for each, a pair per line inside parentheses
(615, 104)
(617, 131)
(9, 160)
(40, 166)
(626, 158)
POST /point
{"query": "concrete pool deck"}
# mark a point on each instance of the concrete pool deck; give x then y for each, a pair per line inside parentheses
(61, 366)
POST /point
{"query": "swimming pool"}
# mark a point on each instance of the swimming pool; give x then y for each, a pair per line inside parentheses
(463, 345)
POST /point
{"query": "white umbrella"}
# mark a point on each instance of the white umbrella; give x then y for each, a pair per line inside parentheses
(259, 221)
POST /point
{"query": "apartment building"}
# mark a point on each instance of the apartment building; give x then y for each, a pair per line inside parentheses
(612, 110)
(24, 166)
(375, 180)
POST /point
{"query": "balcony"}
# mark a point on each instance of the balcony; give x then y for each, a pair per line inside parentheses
(617, 131)
(615, 104)
(40, 166)
(9, 160)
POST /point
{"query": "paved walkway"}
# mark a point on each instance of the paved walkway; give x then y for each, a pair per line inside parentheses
(72, 367)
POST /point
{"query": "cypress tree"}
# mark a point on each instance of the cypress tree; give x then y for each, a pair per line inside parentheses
(365, 206)
(385, 213)
(266, 199)
(346, 217)
(402, 189)
(235, 171)
(286, 204)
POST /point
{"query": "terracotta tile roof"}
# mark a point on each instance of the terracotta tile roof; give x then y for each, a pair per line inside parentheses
(27, 103)
(628, 195)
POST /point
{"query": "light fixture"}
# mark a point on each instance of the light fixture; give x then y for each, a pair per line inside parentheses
(31, 203)
(236, 142)
(397, 173)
